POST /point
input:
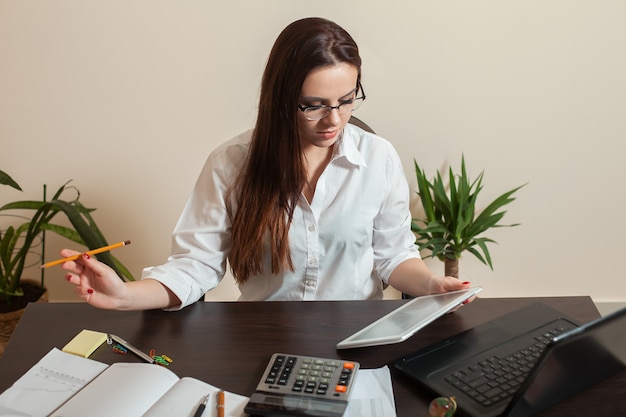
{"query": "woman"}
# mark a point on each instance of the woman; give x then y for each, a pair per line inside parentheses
(304, 206)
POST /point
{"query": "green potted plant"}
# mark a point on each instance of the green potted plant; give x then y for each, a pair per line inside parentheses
(452, 223)
(16, 242)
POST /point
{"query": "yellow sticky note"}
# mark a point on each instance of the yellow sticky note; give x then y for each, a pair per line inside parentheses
(85, 342)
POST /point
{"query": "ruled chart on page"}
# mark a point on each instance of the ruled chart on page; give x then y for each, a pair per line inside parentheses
(48, 384)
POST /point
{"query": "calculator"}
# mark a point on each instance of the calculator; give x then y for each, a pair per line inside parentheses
(296, 385)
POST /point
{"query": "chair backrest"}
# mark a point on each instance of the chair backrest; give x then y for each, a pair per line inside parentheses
(360, 123)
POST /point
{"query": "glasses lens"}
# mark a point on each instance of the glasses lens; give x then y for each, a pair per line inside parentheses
(357, 103)
(347, 108)
(316, 113)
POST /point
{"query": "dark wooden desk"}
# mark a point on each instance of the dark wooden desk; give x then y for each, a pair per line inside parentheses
(229, 344)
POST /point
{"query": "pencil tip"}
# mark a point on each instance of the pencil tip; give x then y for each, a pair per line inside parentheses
(126, 242)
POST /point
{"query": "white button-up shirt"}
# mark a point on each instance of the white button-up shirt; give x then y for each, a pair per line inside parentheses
(344, 245)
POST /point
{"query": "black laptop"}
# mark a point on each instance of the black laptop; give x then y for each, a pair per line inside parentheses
(521, 363)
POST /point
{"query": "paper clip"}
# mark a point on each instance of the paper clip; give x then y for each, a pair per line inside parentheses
(120, 349)
(160, 361)
(131, 348)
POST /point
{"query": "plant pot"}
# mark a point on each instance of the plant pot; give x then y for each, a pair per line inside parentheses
(9, 320)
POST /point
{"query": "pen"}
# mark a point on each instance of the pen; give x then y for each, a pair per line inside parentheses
(132, 348)
(202, 406)
(91, 252)
(220, 403)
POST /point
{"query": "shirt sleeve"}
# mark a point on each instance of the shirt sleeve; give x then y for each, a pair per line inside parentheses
(393, 240)
(201, 239)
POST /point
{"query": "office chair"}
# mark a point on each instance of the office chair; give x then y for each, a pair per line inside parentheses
(360, 123)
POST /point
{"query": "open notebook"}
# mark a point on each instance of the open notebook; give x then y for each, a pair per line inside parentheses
(63, 384)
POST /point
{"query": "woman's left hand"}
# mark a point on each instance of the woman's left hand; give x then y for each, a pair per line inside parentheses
(440, 284)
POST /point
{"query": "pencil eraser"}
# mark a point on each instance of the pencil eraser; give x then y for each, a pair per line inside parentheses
(85, 342)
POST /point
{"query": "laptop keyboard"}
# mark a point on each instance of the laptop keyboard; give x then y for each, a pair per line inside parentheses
(498, 377)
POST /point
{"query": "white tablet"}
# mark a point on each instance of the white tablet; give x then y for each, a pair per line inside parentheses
(404, 321)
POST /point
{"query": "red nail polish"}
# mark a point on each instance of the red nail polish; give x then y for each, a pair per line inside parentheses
(466, 282)
(86, 255)
(68, 277)
(89, 291)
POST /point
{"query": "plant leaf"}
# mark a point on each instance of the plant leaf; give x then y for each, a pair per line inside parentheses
(452, 223)
(7, 180)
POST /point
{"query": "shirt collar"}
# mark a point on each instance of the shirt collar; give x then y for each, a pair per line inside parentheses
(348, 146)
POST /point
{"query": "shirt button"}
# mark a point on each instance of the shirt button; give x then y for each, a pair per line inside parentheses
(310, 283)
(311, 228)
(312, 261)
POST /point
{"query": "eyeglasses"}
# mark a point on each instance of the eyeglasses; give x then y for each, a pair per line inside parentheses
(346, 107)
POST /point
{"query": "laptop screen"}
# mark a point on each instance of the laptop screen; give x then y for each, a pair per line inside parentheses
(574, 362)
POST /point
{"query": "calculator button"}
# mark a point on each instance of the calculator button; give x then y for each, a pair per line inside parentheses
(303, 377)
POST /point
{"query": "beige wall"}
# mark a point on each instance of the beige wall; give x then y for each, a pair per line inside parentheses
(127, 98)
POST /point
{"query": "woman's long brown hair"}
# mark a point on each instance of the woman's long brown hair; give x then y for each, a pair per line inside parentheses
(271, 182)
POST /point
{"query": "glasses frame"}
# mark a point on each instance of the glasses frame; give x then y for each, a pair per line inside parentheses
(305, 109)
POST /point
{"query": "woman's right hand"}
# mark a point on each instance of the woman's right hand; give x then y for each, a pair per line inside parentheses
(95, 281)
(100, 286)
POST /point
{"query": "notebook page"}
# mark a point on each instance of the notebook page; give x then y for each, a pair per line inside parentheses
(185, 396)
(122, 390)
(48, 384)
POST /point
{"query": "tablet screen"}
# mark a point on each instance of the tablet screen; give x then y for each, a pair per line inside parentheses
(403, 322)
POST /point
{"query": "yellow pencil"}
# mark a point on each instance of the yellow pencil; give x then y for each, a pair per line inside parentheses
(91, 252)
